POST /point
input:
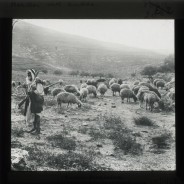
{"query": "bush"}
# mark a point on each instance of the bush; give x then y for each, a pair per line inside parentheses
(166, 104)
(62, 142)
(74, 73)
(143, 120)
(133, 74)
(109, 75)
(121, 135)
(149, 70)
(83, 74)
(58, 72)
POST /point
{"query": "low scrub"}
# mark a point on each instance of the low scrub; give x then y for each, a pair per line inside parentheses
(144, 121)
(62, 142)
(17, 132)
(167, 104)
(121, 135)
(161, 142)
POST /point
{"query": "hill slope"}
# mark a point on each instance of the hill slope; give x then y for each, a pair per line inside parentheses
(40, 47)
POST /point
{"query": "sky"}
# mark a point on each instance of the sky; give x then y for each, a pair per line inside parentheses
(156, 35)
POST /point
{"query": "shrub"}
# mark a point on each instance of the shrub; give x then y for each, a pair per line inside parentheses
(143, 120)
(109, 75)
(162, 141)
(62, 142)
(149, 70)
(121, 135)
(133, 74)
(74, 73)
(166, 104)
(58, 72)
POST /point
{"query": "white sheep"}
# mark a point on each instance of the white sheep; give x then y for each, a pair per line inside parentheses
(56, 91)
(123, 86)
(150, 98)
(66, 97)
(72, 89)
(92, 90)
(83, 93)
(102, 88)
(112, 81)
(115, 88)
(127, 93)
(84, 85)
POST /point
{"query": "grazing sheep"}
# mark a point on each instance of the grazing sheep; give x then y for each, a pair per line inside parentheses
(72, 89)
(65, 97)
(150, 99)
(160, 84)
(136, 82)
(92, 82)
(91, 90)
(123, 86)
(102, 88)
(83, 93)
(135, 89)
(112, 81)
(156, 80)
(56, 91)
(84, 85)
(115, 88)
(140, 94)
(151, 88)
(127, 93)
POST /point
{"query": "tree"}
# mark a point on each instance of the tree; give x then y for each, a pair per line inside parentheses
(149, 70)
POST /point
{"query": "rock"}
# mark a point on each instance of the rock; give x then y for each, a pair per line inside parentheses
(66, 116)
(113, 106)
(19, 158)
(85, 124)
(105, 103)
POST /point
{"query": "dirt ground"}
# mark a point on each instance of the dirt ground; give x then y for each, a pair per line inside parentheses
(81, 138)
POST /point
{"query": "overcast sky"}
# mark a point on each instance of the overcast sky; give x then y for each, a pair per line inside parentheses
(156, 35)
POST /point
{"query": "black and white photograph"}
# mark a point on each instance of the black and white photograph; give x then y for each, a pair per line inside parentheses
(93, 95)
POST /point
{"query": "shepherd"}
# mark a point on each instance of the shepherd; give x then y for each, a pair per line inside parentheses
(34, 100)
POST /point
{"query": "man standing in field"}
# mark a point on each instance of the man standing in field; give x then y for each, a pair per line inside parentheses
(34, 101)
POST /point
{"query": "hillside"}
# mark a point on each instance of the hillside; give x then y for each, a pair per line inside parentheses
(38, 47)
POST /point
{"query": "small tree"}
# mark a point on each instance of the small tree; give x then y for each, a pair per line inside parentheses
(149, 70)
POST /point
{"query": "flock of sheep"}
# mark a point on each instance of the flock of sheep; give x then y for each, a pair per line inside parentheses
(147, 92)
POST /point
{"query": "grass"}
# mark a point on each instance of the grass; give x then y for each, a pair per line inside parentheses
(62, 142)
(144, 121)
(97, 134)
(122, 136)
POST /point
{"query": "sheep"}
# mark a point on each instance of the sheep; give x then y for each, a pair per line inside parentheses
(84, 85)
(140, 94)
(56, 91)
(151, 88)
(150, 99)
(156, 80)
(83, 93)
(160, 84)
(136, 83)
(91, 89)
(112, 81)
(102, 88)
(127, 93)
(135, 89)
(66, 97)
(122, 86)
(92, 82)
(13, 84)
(115, 88)
(72, 89)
